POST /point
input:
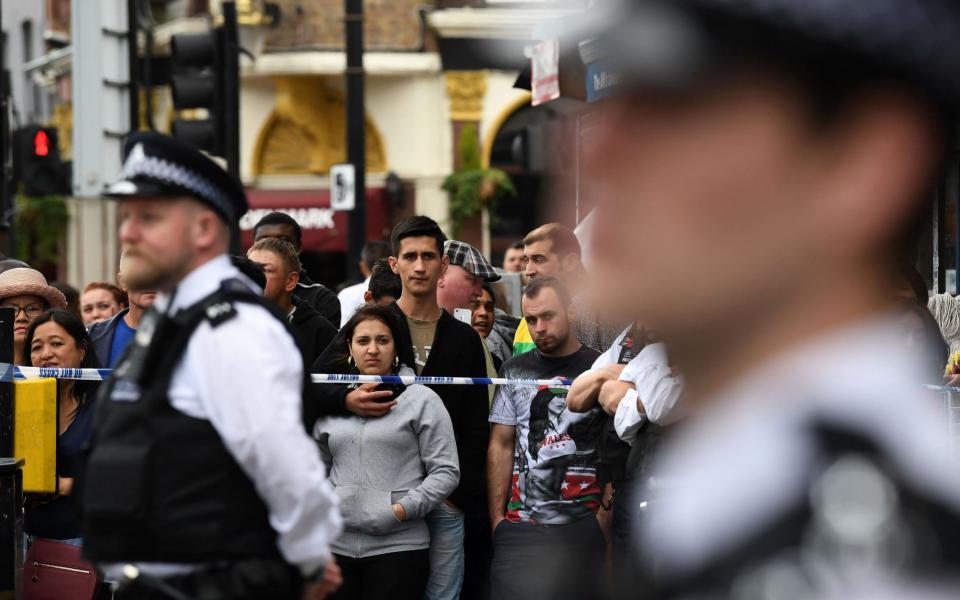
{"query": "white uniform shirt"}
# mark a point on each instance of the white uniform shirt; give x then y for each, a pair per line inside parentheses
(246, 377)
(743, 462)
(351, 298)
(656, 388)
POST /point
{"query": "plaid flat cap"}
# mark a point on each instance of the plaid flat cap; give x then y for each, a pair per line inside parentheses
(464, 255)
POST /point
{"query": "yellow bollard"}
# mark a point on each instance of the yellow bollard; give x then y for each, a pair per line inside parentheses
(35, 433)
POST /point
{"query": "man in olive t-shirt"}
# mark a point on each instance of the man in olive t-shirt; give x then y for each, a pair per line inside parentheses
(459, 529)
(422, 334)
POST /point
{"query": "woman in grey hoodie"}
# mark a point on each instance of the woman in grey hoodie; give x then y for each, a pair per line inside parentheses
(388, 471)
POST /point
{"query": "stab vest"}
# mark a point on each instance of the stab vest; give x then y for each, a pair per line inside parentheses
(160, 486)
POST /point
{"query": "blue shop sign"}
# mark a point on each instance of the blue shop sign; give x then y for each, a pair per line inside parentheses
(602, 80)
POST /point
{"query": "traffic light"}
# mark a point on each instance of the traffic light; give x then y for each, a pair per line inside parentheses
(36, 162)
(196, 84)
(205, 75)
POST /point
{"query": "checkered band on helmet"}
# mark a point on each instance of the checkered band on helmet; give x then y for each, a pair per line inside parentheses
(138, 164)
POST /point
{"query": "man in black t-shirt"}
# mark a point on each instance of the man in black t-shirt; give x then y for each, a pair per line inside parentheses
(542, 462)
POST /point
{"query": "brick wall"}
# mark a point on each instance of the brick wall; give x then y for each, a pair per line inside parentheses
(388, 25)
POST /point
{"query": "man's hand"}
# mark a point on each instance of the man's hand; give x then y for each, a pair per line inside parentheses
(496, 521)
(328, 584)
(499, 470)
(64, 486)
(400, 512)
(364, 402)
(612, 392)
(583, 393)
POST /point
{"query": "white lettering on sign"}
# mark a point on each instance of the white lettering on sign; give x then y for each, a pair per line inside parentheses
(604, 80)
(308, 218)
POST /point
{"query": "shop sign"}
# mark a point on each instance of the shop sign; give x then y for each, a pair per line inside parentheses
(602, 80)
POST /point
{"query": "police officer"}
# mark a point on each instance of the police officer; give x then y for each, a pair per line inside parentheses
(202, 482)
(765, 166)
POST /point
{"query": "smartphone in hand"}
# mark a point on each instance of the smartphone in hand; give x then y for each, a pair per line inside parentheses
(395, 388)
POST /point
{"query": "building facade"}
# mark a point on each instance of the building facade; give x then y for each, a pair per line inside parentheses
(432, 67)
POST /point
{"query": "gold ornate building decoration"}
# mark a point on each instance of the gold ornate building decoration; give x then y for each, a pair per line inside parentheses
(62, 121)
(305, 132)
(466, 90)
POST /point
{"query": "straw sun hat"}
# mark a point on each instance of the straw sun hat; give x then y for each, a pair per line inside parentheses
(29, 282)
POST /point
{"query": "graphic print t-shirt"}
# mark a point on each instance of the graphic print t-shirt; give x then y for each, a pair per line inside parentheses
(421, 334)
(555, 461)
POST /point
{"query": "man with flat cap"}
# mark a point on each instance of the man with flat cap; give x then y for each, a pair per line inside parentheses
(202, 479)
(462, 281)
(766, 166)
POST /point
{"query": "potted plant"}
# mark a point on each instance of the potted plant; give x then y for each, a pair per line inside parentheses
(471, 188)
(41, 225)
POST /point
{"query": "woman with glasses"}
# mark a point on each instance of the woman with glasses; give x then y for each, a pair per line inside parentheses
(26, 291)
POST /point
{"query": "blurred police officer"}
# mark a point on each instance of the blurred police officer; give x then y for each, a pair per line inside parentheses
(766, 163)
(202, 480)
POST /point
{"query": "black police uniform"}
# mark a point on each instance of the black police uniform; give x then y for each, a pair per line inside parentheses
(160, 485)
(162, 489)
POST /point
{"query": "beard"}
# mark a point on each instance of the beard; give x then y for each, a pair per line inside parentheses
(149, 271)
(548, 344)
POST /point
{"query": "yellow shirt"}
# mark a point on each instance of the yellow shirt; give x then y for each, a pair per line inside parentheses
(522, 342)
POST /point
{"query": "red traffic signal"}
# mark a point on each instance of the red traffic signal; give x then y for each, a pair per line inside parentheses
(41, 143)
(36, 162)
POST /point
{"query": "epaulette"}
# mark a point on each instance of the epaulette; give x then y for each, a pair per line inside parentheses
(219, 311)
(219, 307)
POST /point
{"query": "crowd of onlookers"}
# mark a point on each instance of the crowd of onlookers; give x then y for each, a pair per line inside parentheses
(453, 491)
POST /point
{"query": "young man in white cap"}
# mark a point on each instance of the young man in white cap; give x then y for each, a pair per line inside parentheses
(201, 475)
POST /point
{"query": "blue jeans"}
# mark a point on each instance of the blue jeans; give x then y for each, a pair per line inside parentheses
(446, 553)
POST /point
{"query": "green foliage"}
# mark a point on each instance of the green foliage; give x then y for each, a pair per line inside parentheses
(41, 226)
(468, 147)
(471, 187)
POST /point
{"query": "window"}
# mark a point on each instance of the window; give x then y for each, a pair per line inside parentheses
(31, 95)
(26, 37)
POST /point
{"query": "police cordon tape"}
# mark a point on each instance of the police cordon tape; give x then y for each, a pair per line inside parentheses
(10, 372)
(427, 380)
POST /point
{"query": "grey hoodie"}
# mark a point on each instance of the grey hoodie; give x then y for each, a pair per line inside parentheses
(408, 456)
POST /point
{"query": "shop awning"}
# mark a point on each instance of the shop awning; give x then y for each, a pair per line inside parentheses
(324, 229)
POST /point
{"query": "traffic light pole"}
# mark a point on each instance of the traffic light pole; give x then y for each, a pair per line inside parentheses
(356, 138)
(231, 80)
(5, 194)
(11, 476)
(133, 56)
